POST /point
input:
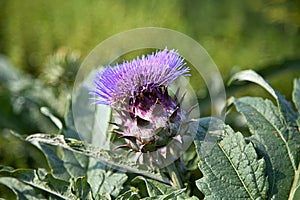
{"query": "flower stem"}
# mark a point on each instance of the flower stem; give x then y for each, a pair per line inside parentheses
(175, 176)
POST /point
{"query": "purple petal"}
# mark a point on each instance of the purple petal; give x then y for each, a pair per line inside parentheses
(117, 83)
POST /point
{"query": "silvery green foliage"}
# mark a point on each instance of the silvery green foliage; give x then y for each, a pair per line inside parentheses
(232, 166)
(262, 166)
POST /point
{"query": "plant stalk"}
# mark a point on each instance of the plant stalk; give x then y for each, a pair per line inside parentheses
(295, 184)
(175, 176)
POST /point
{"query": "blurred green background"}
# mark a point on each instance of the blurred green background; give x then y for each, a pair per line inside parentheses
(43, 43)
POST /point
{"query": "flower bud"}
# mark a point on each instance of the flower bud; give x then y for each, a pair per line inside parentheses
(138, 92)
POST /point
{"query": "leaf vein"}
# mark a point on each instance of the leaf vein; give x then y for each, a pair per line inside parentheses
(281, 136)
(236, 171)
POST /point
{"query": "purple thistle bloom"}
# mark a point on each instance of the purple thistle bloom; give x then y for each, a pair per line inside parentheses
(137, 91)
(123, 81)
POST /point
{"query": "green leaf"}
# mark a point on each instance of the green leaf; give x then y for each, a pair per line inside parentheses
(56, 164)
(104, 179)
(232, 169)
(107, 158)
(22, 191)
(46, 111)
(252, 76)
(105, 196)
(67, 163)
(81, 188)
(129, 195)
(69, 126)
(285, 107)
(296, 94)
(278, 146)
(38, 179)
(90, 120)
(152, 189)
(96, 171)
(276, 133)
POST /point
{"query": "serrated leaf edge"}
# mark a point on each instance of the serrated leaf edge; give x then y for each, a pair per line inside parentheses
(282, 138)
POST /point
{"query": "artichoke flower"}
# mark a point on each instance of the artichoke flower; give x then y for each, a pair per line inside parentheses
(138, 91)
